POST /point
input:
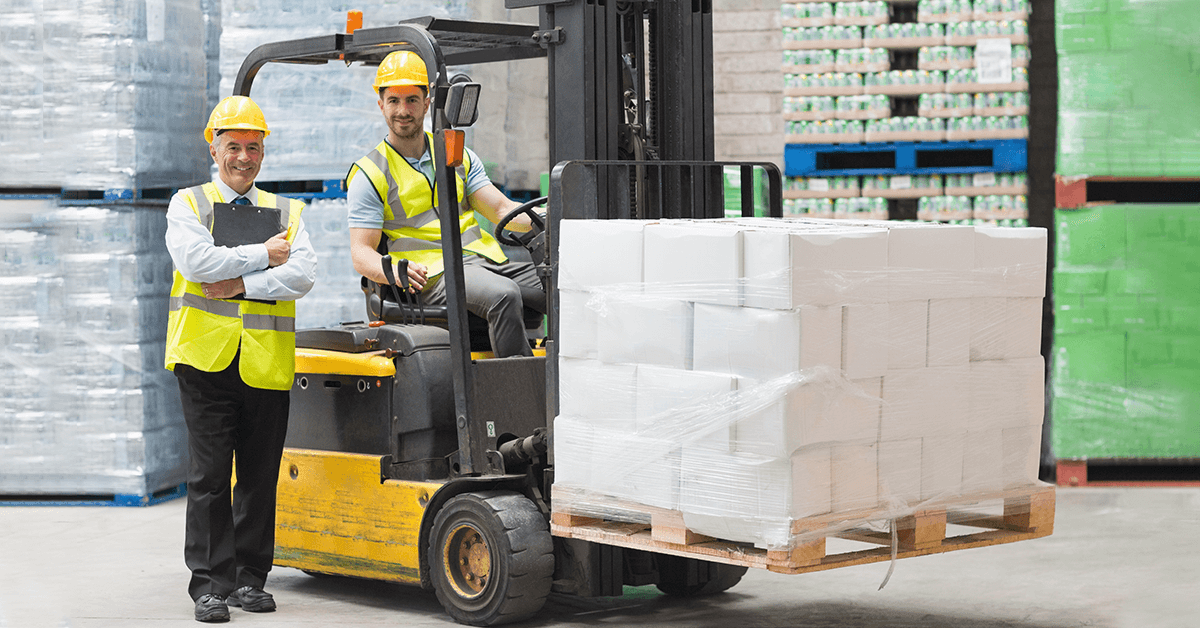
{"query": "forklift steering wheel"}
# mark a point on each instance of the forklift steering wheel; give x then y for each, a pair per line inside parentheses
(513, 238)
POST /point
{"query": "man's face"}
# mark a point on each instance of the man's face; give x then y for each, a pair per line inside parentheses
(238, 155)
(404, 109)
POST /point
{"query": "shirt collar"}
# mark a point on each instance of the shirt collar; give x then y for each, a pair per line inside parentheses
(228, 194)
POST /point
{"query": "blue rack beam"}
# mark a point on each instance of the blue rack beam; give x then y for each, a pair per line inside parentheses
(891, 158)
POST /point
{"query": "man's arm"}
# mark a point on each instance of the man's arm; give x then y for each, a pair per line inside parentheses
(490, 202)
(197, 259)
(290, 280)
(364, 252)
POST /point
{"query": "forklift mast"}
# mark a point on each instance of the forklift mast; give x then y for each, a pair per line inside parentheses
(631, 136)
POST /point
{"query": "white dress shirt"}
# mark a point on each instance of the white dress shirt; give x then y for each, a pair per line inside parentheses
(197, 259)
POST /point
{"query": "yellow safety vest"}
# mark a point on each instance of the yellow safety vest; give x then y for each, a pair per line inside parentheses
(206, 333)
(416, 235)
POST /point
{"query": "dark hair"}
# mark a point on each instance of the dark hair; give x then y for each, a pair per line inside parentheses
(424, 90)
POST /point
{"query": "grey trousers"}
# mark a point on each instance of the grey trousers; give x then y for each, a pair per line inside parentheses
(497, 293)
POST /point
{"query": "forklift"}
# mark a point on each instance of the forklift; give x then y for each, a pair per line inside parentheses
(412, 455)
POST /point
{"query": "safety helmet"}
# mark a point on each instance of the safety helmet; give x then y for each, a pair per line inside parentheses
(236, 112)
(401, 68)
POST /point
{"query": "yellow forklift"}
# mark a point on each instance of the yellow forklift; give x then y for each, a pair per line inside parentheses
(413, 457)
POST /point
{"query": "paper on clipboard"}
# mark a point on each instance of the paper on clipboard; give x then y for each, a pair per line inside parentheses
(993, 60)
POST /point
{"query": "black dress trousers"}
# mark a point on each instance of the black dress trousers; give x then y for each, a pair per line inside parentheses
(230, 545)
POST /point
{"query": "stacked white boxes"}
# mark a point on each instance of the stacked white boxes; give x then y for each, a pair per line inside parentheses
(749, 373)
(103, 94)
(89, 408)
(336, 297)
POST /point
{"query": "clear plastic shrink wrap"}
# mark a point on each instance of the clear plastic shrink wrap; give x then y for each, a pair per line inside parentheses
(757, 374)
(88, 407)
(102, 94)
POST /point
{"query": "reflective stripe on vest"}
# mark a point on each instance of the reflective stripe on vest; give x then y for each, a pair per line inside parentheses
(207, 333)
(410, 220)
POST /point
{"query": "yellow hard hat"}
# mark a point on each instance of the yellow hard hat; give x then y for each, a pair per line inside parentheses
(401, 68)
(236, 112)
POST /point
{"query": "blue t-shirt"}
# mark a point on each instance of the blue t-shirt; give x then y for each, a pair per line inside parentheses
(365, 209)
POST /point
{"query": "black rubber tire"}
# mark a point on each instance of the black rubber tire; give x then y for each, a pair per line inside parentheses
(515, 538)
(713, 577)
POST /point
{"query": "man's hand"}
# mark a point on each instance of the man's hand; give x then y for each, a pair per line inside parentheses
(418, 274)
(224, 289)
(277, 249)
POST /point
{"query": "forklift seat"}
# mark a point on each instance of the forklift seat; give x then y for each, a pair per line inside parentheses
(382, 307)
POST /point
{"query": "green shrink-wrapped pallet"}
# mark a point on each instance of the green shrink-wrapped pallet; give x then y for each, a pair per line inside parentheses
(1126, 358)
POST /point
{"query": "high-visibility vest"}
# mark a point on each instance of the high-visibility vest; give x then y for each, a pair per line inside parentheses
(207, 333)
(410, 221)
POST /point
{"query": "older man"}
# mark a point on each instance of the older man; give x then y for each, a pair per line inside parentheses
(231, 343)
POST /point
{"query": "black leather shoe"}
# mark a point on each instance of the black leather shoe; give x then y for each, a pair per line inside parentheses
(252, 599)
(211, 608)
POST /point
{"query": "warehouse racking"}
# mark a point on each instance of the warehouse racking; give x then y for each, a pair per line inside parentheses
(920, 92)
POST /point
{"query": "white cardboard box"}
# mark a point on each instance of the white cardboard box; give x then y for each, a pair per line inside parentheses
(687, 406)
(983, 462)
(1022, 453)
(900, 472)
(907, 334)
(1007, 394)
(949, 332)
(931, 261)
(989, 328)
(573, 464)
(1024, 329)
(925, 402)
(814, 266)
(577, 325)
(855, 475)
(645, 330)
(1011, 262)
(942, 466)
(602, 394)
(595, 253)
(764, 344)
(864, 340)
(636, 467)
(699, 262)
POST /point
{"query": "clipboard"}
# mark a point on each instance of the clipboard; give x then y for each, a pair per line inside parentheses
(235, 225)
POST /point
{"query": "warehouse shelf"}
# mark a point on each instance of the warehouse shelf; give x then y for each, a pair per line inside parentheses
(971, 40)
(957, 112)
(962, 64)
(987, 134)
(822, 44)
(857, 114)
(904, 158)
(1070, 192)
(903, 193)
(958, 88)
(946, 18)
(905, 136)
(842, 193)
(904, 43)
(983, 190)
(825, 138)
(828, 90)
(905, 90)
(809, 68)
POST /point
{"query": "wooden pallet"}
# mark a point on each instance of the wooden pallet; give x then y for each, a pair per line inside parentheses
(1026, 515)
(1136, 472)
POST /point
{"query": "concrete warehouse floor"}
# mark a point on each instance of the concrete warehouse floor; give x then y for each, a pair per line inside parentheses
(1118, 558)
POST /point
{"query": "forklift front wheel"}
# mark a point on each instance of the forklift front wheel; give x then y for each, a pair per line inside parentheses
(491, 558)
(688, 577)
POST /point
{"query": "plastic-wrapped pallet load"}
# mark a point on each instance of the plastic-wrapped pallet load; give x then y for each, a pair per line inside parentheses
(850, 372)
(1125, 70)
(89, 409)
(103, 94)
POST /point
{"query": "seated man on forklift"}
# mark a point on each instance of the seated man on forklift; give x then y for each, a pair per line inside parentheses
(395, 198)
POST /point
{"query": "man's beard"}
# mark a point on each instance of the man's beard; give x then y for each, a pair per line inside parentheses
(414, 133)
